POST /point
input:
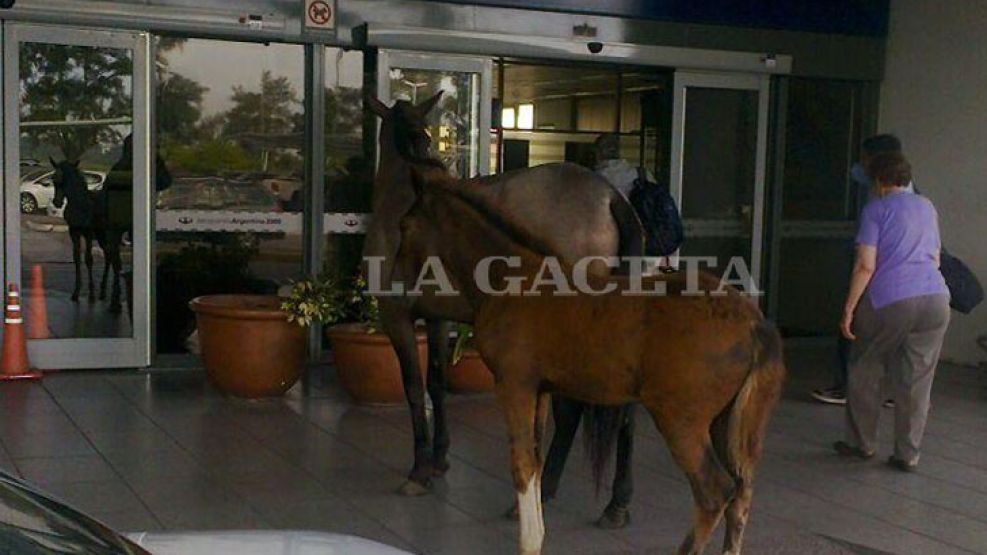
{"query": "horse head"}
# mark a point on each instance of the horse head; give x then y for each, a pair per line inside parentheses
(404, 127)
(67, 177)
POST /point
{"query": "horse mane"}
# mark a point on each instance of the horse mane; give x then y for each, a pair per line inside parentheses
(429, 179)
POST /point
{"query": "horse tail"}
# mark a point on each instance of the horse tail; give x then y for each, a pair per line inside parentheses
(601, 426)
(629, 226)
(755, 401)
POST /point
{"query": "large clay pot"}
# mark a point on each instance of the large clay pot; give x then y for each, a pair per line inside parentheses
(367, 365)
(470, 374)
(249, 347)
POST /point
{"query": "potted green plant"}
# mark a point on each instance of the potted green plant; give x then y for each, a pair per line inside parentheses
(467, 371)
(366, 365)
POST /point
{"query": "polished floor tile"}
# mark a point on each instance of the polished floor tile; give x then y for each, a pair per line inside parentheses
(161, 450)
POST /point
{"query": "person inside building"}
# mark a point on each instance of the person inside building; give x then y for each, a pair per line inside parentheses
(610, 165)
(896, 313)
(864, 191)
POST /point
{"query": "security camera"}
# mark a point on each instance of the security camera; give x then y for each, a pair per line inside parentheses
(7, 4)
(595, 47)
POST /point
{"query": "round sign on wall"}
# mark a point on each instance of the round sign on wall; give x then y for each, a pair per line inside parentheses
(320, 14)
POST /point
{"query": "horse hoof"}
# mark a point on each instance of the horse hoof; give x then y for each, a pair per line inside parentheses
(614, 518)
(412, 488)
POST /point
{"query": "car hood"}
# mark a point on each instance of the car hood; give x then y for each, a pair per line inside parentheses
(258, 543)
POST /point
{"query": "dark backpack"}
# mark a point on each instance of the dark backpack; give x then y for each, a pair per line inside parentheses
(659, 215)
(965, 290)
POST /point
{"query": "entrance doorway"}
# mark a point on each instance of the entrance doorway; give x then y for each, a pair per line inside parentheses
(76, 197)
(719, 152)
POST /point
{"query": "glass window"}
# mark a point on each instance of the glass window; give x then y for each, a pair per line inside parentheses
(349, 159)
(820, 145)
(453, 120)
(75, 113)
(555, 113)
(230, 131)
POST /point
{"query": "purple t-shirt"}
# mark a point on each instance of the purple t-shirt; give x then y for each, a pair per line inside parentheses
(905, 229)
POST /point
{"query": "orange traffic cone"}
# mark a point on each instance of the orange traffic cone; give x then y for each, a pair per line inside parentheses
(37, 324)
(13, 363)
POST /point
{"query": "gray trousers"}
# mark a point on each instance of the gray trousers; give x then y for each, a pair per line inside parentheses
(901, 340)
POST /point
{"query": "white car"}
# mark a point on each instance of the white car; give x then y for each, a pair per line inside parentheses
(33, 523)
(38, 190)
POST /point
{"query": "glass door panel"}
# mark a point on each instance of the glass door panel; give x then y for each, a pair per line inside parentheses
(460, 123)
(719, 141)
(76, 193)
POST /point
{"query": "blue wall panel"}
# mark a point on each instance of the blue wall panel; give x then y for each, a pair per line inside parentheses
(848, 17)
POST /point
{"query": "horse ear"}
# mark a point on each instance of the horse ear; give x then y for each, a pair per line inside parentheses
(425, 107)
(376, 106)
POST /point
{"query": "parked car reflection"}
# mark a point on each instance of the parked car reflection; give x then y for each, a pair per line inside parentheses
(38, 190)
(218, 193)
(32, 523)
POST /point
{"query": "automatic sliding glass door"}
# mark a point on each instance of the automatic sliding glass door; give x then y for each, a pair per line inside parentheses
(719, 145)
(76, 193)
(460, 124)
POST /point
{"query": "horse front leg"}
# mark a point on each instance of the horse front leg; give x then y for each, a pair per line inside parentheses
(117, 263)
(399, 326)
(107, 265)
(438, 359)
(76, 259)
(520, 407)
(89, 268)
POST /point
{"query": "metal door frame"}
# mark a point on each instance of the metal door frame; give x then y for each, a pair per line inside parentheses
(761, 83)
(483, 66)
(106, 352)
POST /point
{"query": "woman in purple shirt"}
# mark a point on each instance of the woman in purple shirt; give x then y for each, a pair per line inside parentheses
(896, 314)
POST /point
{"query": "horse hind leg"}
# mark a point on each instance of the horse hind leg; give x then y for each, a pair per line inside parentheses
(737, 514)
(712, 486)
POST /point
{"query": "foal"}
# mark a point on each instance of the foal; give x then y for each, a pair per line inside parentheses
(707, 368)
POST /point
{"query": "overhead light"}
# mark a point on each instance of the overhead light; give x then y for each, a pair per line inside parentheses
(507, 118)
(526, 116)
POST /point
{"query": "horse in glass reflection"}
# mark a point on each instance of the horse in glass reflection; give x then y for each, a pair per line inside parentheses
(86, 215)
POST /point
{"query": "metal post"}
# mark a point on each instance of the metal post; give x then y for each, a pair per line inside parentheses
(314, 188)
(775, 195)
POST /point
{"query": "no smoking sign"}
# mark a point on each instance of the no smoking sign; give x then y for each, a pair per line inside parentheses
(320, 15)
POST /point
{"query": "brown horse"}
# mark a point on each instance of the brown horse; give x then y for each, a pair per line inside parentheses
(708, 368)
(570, 209)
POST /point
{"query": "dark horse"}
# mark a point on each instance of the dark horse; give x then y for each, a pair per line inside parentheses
(570, 209)
(701, 358)
(85, 215)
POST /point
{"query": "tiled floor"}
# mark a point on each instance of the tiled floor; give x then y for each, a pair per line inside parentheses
(161, 450)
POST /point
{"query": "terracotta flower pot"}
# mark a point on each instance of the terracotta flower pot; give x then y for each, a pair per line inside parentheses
(249, 347)
(367, 365)
(470, 374)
